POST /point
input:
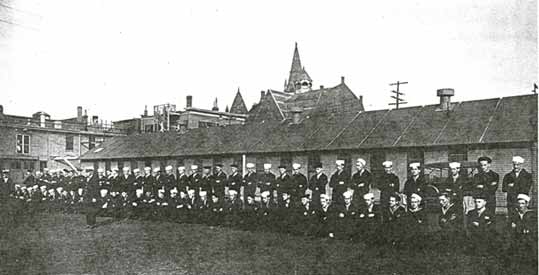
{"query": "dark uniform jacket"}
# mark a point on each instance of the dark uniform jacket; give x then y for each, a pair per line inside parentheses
(126, 184)
(345, 221)
(414, 186)
(169, 182)
(306, 220)
(394, 221)
(219, 181)
(267, 182)
(194, 181)
(388, 184)
(182, 182)
(318, 183)
(298, 185)
(450, 219)
(487, 183)
(514, 185)
(481, 226)
(235, 181)
(283, 184)
(148, 182)
(523, 226)
(361, 183)
(249, 183)
(340, 182)
(205, 183)
(454, 187)
(325, 221)
(6, 187)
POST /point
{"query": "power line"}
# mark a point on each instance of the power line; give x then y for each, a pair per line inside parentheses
(398, 94)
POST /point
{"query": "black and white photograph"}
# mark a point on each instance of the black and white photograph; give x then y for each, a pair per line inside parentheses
(268, 137)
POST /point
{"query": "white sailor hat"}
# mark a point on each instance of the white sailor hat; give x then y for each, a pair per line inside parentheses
(174, 190)
(191, 191)
(100, 170)
(267, 166)
(250, 165)
(368, 196)
(5, 171)
(168, 168)
(194, 167)
(387, 163)
(414, 165)
(296, 166)
(125, 169)
(348, 194)
(265, 194)
(523, 197)
(147, 169)
(156, 169)
(339, 162)
(361, 161)
(136, 170)
(453, 165)
(415, 196)
(518, 159)
(181, 168)
(203, 193)
(324, 196)
(139, 192)
(232, 192)
(115, 170)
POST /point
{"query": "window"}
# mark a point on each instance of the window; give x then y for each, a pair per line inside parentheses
(458, 153)
(415, 155)
(16, 165)
(23, 144)
(69, 142)
(286, 160)
(42, 165)
(313, 160)
(28, 165)
(91, 142)
(377, 158)
(133, 164)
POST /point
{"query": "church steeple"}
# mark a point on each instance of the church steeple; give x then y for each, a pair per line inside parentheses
(299, 80)
(238, 105)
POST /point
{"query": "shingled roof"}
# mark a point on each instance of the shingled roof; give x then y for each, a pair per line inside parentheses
(497, 120)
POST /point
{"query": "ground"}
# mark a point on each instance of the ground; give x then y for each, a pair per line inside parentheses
(60, 244)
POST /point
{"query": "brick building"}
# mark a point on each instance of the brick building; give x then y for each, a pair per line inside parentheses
(37, 142)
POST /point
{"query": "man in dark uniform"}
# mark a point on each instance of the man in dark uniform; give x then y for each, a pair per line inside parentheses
(157, 180)
(369, 220)
(233, 208)
(266, 213)
(282, 181)
(202, 207)
(454, 184)
(346, 219)
(169, 180)
(450, 221)
(235, 180)
(486, 182)
(306, 218)
(317, 184)
(298, 182)
(388, 183)
(339, 182)
(219, 179)
(518, 181)
(182, 180)
(481, 225)
(393, 217)
(91, 197)
(267, 179)
(361, 180)
(285, 208)
(325, 214)
(147, 180)
(6, 185)
(415, 183)
(415, 224)
(216, 211)
(523, 235)
(194, 179)
(29, 178)
(126, 182)
(250, 180)
(249, 214)
(205, 183)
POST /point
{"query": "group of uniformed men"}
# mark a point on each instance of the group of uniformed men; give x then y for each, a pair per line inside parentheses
(290, 203)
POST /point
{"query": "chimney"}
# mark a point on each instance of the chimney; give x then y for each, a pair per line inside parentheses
(445, 98)
(262, 94)
(145, 110)
(215, 106)
(85, 117)
(296, 114)
(95, 120)
(79, 114)
(321, 87)
(342, 79)
(42, 119)
(189, 101)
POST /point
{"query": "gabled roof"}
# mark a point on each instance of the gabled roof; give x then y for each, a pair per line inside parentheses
(238, 105)
(498, 120)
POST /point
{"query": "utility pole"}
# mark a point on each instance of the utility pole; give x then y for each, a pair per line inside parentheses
(397, 96)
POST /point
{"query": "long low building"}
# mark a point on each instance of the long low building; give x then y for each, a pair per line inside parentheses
(459, 131)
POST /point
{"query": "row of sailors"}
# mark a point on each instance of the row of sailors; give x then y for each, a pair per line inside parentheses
(486, 181)
(350, 220)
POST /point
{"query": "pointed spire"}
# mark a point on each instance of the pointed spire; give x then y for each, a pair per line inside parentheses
(226, 109)
(215, 106)
(297, 72)
(238, 105)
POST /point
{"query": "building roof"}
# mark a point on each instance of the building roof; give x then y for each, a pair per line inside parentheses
(497, 120)
(238, 105)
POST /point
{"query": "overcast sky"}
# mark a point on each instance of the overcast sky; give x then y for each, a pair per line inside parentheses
(114, 57)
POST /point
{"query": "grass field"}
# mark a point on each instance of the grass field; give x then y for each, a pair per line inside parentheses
(60, 244)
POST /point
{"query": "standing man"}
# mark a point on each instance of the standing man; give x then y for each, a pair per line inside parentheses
(486, 182)
(206, 180)
(267, 180)
(219, 182)
(249, 181)
(235, 180)
(454, 185)
(92, 194)
(298, 182)
(194, 178)
(523, 233)
(317, 184)
(339, 182)
(6, 185)
(126, 182)
(169, 180)
(361, 180)
(481, 227)
(415, 183)
(182, 180)
(450, 221)
(388, 183)
(282, 182)
(518, 181)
